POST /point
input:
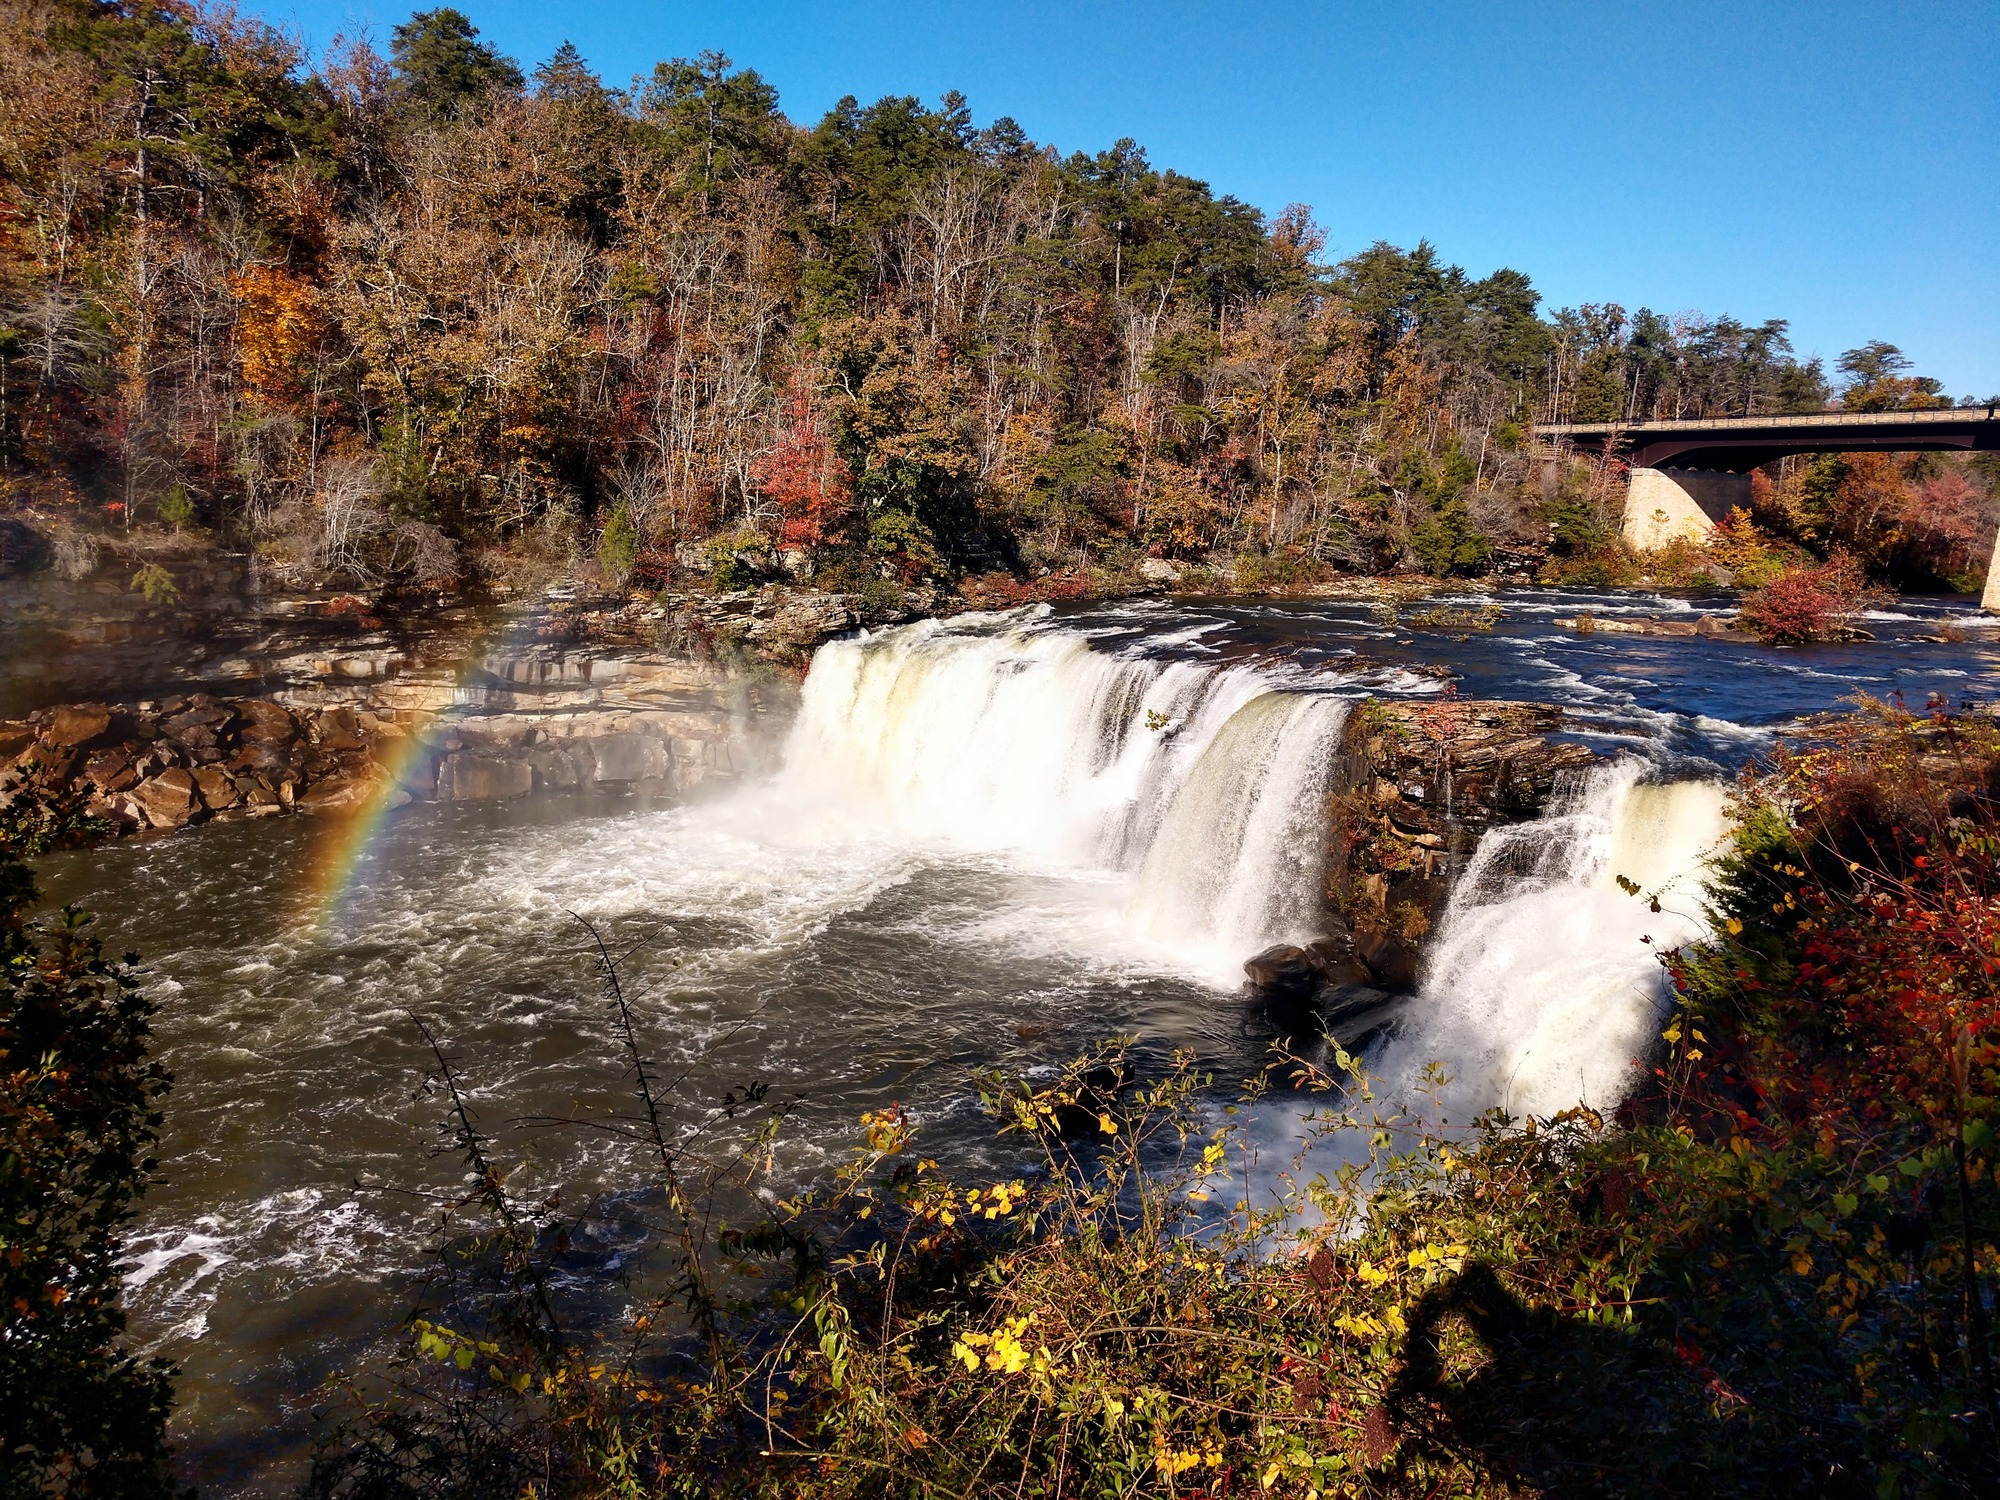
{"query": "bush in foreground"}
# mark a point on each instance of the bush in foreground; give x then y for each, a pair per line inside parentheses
(79, 1114)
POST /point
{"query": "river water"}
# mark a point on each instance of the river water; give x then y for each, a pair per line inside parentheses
(990, 842)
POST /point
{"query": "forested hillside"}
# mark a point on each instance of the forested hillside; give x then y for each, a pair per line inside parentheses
(430, 316)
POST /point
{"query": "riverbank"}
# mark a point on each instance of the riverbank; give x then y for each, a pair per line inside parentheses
(330, 703)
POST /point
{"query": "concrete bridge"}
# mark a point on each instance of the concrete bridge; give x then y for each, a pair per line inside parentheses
(1687, 475)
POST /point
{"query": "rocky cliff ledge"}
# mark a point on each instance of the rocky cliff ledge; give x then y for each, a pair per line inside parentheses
(1420, 782)
(368, 725)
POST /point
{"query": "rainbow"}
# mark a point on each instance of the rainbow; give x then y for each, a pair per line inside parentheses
(341, 857)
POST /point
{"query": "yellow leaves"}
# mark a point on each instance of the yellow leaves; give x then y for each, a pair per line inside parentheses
(1173, 1462)
(1369, 1327)
(1735, 927)
(281, 322)
(1451, 1257)
(1372, 1274)
(1108, 1125)
(997, 1201)
(1005, 1351)
(887, 1131)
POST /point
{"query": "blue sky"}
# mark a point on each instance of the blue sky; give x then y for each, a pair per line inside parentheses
(1835, 164)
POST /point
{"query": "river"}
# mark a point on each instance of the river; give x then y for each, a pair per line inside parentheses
(989, 842)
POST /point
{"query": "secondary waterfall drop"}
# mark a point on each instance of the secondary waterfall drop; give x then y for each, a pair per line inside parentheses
(1543, 987)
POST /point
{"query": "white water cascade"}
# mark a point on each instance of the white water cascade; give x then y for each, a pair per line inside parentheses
(1199, 790)
(1203, 785)
(1544, 985)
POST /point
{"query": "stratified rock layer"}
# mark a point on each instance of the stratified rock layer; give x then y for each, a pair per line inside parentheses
(546, 718)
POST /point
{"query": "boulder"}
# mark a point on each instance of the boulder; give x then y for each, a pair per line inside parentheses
(631, 757)
(218, 788)
(335, 796)
(1159, 570)
(560, 767)
(111, 770)
(256, 795)
(263, 755)
(1392, 961)
(76, 725)
(117, 811)
(339, 729)
(198, 730)
(1333, 958)
(169, 799)
(1282, 970)
(466, 777)
(265, 723)
(1348, 1013)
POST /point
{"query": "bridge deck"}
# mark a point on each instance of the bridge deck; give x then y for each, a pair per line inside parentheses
(1739, 443)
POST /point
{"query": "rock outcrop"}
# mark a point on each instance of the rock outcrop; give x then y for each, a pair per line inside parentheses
(538, 720)
(1419, 783)
(1702, 627)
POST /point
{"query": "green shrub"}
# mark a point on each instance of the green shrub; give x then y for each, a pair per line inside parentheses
(176, 509)
(1447, 544)
(618, 546)
(157, 584)
(80, 1414)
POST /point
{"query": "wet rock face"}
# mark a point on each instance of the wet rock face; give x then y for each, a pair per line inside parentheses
(1419, 784)
(1423, 782)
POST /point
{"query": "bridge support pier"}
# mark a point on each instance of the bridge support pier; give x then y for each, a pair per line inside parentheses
(1662, 504)
(1990, 602)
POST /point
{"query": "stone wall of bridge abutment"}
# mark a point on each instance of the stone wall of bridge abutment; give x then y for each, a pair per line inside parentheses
(1662, 505)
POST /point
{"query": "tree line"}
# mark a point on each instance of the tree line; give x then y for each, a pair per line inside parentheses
(428, 315)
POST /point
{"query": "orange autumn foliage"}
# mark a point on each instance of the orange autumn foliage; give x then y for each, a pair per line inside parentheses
(279, 326)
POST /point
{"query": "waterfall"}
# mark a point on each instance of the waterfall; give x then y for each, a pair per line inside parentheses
(1203, 785)
(1199, 790)
(1543, 990)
